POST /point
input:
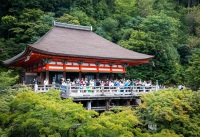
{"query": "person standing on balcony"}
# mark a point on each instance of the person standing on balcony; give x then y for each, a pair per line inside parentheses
(45, 84)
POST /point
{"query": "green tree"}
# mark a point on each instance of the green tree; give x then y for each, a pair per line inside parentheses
(66, 18)
(125, 7)
(193, 72)
(168, 7)
(145, 7)
(32, 114)
(172, 109)
(193, 21)
(83, 18)
(110, 124)
(76, 17)
(31, 23)
(10, 49)
(102, 10)
(7, 22)
(6, 79)
(157, 35)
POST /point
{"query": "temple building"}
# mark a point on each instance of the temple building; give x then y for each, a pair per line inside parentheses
(72, 51)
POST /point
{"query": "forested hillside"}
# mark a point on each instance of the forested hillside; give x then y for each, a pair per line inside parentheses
(167, 29)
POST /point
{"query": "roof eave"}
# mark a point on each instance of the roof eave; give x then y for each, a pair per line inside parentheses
(81, 56)
(14, 59)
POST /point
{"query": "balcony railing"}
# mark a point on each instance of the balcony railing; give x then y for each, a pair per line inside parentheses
(96, 90)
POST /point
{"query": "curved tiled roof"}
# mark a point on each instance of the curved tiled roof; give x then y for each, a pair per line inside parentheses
(80, 43)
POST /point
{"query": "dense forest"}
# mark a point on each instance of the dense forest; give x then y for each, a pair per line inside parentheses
(167, 29)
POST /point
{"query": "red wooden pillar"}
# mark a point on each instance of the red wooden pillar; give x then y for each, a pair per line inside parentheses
(80, 62)
(97, 65)
(111, 76)
(64, 69)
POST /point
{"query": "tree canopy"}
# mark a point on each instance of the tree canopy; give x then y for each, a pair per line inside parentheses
(171, 109)
(26, 113)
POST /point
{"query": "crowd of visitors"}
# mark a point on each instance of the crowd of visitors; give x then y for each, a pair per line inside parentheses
(120, 84)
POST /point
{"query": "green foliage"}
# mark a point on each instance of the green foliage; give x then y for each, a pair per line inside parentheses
(125, 7)
(164, 133)
(185, 53)
(157, 35)
(193, 20)
(172, 109)
(82, 17)
(7, 22)
(76, 17)
(26, 113)
(6, 79)
(31, 23)
(109, 124)
(102, 10)
(66, 18)
(145, 7)
(10, 49)
(193, 72)
(32, 114)
(110, 25)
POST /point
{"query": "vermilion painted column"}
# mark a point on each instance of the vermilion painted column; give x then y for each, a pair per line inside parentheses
(64, 71)
(64, 62)
(111, 64)
(80, 62)
(97, 65)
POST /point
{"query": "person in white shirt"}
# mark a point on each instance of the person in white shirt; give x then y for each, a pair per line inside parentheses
(45, 84)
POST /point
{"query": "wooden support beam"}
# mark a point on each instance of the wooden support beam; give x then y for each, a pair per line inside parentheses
(107, 104)
(128, 103)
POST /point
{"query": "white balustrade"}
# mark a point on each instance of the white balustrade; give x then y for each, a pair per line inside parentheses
(98, 90)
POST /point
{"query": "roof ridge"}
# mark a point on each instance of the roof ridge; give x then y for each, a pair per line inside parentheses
(72, 26)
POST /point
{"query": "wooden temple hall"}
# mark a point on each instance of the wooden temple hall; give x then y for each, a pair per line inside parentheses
(72, 51)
